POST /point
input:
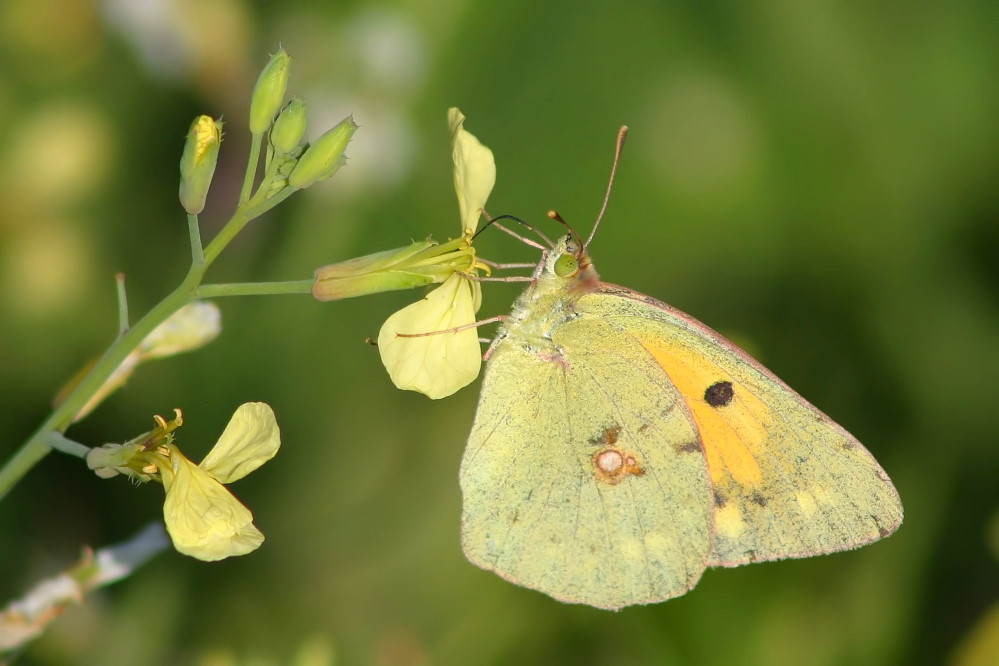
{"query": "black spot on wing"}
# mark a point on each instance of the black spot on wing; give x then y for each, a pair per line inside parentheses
(759, 499)
(689, 447)
(719, 394)
(719, 500)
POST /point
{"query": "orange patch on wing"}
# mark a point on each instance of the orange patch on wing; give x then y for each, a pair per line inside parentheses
(609, 436)
(730, 433)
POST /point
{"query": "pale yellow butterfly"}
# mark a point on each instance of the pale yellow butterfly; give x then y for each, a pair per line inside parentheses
(620, 447)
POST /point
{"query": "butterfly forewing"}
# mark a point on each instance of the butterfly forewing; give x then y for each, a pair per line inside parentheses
(787, 480)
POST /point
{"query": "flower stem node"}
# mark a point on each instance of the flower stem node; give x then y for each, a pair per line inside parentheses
(268, 94)
(197, 163)
(324, 156)
(204, 520)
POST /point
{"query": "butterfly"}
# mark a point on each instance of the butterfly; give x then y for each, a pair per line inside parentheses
(620, 447)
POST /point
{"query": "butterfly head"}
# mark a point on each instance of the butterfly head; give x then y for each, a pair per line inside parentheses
(568, 264)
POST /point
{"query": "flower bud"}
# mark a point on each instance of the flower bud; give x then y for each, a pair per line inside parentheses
(418, 264)
(268, 94)
(324, 156)
(197, 164)
(289, 127)
(374, 273)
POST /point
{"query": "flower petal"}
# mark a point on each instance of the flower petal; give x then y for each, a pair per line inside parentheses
(474, 170)
(435, 365)
(204, 519)
(194, 325)
(251, 439)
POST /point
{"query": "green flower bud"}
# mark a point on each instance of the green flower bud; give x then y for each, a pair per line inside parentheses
(418, 264)
(268, 94)
(373, 273)
(197, 164)
(289, 127)
(323, 157)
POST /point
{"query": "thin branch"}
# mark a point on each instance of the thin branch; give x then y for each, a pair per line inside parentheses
(119, 280)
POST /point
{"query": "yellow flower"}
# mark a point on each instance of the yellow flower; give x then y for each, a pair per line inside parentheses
(445, 361)
(204, 519)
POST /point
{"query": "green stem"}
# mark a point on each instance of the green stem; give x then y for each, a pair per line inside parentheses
(59, 442)
(248, 209)
(251, 168)
(244, 214)
(194, 232)
(40, 443)
(21, 462)
(225, 235)
(260, 209)
(255, 288)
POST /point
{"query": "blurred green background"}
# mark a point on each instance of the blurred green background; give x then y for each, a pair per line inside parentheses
(816, 180)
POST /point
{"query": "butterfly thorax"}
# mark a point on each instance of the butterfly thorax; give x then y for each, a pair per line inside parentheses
(564, 275)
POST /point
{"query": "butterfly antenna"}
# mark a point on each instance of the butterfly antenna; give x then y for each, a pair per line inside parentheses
(494, 220)
(553, 214)
(622, 134)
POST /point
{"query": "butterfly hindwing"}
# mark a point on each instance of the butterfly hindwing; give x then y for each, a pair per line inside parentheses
(591, 484)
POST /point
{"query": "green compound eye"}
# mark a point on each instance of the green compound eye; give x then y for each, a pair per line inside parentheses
(566, 265)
